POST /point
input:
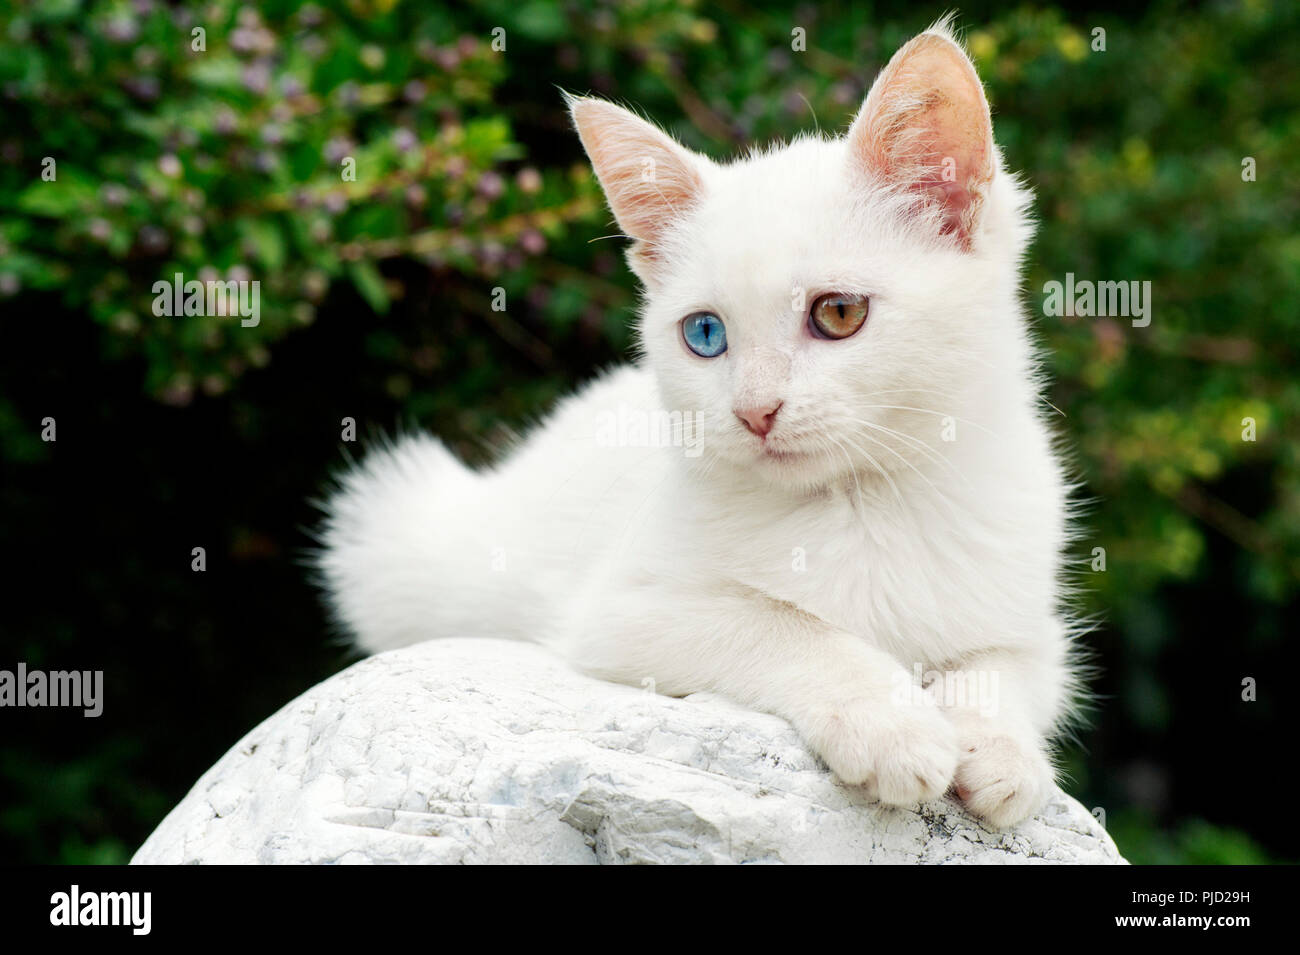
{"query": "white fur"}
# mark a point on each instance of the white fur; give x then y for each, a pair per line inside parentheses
(646, 564)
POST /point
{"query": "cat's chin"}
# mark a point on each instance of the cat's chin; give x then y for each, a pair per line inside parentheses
(787, 468)
(798, 472)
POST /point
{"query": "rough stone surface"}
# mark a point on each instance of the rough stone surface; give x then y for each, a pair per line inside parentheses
(495, 752)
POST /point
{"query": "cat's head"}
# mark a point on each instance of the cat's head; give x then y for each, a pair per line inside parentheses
(826, 303)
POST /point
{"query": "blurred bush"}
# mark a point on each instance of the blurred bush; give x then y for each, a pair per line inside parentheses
(302, 146)
(212, 140)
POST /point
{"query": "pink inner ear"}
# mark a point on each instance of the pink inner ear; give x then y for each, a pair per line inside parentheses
(647, 177)
(958, 185)
(925, 125)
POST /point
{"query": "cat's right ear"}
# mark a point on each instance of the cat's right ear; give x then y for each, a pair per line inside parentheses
(648, 177)
(925, 127)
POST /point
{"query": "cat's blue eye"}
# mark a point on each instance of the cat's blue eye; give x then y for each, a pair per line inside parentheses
(704, 334)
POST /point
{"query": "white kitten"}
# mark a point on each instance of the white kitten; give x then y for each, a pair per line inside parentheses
(868, 494)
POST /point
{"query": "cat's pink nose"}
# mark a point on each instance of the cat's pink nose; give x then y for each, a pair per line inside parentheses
(759, 420)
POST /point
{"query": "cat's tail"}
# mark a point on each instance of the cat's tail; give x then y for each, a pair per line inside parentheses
(405, 553)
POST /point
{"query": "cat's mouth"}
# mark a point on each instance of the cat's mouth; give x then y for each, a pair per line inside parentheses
(779, 454)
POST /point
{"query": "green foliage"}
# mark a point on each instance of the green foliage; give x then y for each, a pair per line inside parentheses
(227, 154)
(227, 162)
(1191, 842)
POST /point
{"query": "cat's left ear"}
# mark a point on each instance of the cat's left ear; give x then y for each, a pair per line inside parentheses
(925, 126)
(650, 180)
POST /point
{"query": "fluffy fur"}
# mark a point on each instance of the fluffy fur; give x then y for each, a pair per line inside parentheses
(905, 517)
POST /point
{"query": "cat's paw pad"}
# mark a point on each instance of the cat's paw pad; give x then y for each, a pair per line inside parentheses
(903, 755)
(1001, 779)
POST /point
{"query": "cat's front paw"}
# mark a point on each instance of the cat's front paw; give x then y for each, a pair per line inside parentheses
(904, 755)
(1003, 778)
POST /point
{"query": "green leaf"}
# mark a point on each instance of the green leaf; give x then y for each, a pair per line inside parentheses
(370, 284)
(60, 199)
(265, 237)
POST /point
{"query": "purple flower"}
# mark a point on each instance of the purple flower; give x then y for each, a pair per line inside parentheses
(179, 392)
(142, 87)
(404, 139)
(491, 253)
(532, 242)
(348, 93)
(491, 185)
(257, 78)
(121, 29)
(152, 239)
(225, 122)
(336, 148)
(529, 180)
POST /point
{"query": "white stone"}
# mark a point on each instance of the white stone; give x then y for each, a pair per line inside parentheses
(493, 752)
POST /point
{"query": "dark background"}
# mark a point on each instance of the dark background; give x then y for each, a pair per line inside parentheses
(176, 433)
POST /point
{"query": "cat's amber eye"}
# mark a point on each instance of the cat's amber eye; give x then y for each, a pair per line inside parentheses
(839, 316)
